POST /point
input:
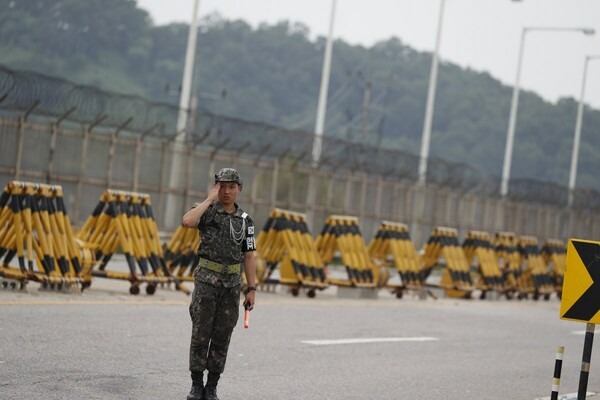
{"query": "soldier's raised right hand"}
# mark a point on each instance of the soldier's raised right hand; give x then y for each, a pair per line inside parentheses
(213, 194)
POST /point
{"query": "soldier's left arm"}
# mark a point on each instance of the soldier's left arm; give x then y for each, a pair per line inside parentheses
(250, 271)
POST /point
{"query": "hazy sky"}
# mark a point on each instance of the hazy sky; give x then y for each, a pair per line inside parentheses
(481, 34)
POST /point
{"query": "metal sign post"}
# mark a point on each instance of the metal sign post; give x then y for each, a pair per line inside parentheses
(585, 362)
(581, 297)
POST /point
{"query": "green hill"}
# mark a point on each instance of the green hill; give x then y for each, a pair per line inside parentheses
(272, 74)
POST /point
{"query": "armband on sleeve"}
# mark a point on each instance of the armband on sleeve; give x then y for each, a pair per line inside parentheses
(249, 242)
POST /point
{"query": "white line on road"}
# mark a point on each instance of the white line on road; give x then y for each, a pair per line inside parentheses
(326, 342)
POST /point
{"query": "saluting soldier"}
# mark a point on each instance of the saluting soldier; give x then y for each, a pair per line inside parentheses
(227, 244)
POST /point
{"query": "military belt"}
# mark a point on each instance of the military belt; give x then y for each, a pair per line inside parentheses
(220, 268)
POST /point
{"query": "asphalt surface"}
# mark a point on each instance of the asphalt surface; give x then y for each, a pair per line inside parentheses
(107, 344)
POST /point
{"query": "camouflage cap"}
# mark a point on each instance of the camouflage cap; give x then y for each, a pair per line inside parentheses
(228, 175)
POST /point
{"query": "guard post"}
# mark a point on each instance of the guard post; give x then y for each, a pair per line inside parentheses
(581, 297)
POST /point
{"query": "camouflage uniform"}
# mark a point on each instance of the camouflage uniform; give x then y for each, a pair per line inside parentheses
(215, 302)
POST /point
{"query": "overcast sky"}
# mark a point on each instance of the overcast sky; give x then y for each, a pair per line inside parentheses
(481, 34)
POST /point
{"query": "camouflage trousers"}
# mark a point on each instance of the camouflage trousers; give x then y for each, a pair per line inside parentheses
(214, 311)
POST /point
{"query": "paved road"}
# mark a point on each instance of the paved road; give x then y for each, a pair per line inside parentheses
(106, 344)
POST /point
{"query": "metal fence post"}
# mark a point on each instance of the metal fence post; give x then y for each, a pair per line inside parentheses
(274, 183)
(84, 145)
(161, 182)
(21, 130)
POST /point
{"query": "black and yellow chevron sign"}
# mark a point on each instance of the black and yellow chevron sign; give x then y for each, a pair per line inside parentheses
(581, 287)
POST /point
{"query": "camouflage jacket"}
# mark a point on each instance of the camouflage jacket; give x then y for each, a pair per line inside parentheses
(224, 238)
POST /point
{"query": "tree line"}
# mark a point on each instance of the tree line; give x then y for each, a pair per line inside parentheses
(272, 74)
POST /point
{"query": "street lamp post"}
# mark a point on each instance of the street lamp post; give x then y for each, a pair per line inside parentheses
(184, 108)
(324, 89)
(512, 122)
(426, 138)
(320, 122)
(577, 138)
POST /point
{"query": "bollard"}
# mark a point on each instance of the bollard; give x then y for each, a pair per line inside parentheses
(557, 368)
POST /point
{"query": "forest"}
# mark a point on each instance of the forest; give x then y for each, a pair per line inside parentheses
(271, 74)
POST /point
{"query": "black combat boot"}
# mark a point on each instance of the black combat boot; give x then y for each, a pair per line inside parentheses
(211, 386)
(197, 392)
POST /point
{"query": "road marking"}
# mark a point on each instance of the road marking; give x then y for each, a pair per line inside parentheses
(326, 342)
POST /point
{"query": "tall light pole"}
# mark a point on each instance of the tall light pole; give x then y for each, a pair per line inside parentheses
(184, 108)
(510, 136)
(426, 138)
(320, 122)
(324, 89)
(577, 138)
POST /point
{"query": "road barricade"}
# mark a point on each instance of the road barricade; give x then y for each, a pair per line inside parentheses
(124, 220)
(481, 254)
(535, 270)
(554, 253)
(286, 242)
(341, 237)
(181, 253)
(392, 246)
(35, 228)
(443, 247)
(509, 261)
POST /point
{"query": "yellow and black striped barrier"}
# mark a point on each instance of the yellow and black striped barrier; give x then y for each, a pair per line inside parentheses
(286, 242)
(342, 234)
(554, 253)
(535, 270)
(481, 254)
(443, 246)
(35, 228)
(392, 240)
(124, 220)
(181, 253)
(509, 261)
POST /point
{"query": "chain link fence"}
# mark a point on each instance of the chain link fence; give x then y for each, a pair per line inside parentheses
(87, 140)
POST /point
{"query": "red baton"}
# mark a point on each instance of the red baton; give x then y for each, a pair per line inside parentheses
(246, 316)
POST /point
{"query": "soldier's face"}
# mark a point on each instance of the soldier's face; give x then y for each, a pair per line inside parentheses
(228, 192)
